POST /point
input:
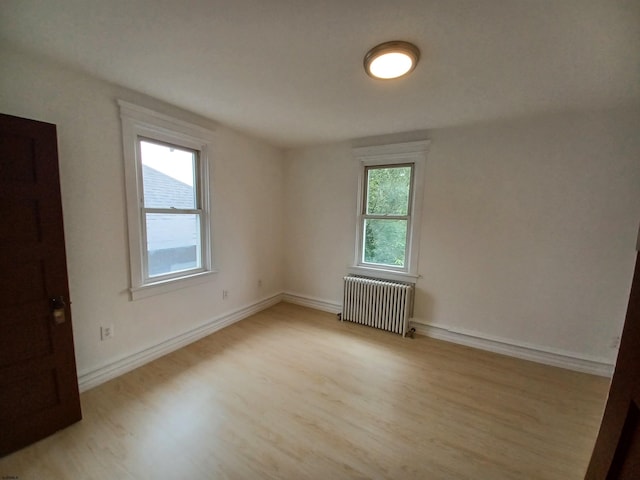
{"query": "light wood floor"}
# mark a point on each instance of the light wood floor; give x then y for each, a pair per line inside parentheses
(291, 393)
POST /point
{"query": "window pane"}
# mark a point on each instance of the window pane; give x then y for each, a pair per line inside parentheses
(388, 190)
(385, 242)
(173, 243)
(168, 174)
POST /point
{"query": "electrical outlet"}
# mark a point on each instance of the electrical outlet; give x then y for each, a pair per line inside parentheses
(106, 332)
(615, 342)
(225, 294)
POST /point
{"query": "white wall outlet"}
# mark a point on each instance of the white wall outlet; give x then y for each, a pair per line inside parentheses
(225, 294)
(106, 332)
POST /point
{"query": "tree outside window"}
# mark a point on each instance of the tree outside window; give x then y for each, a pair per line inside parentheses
(386, 215)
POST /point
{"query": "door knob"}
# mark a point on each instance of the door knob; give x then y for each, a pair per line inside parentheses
(57, 307)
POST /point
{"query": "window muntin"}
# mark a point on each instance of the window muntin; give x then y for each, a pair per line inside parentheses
(386, 215)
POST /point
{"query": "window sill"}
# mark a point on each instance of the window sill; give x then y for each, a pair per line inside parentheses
(383, 274)
(170, 285)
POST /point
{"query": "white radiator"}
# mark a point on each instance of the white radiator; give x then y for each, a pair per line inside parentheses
(377, 303)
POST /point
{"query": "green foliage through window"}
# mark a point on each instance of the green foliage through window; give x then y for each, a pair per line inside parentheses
(388, 190)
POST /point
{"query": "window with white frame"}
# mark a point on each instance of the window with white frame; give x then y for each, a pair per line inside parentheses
(389, 210)
(386, 214)
(167, 185)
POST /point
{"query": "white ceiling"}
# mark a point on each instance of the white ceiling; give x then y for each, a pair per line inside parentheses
(290, 71)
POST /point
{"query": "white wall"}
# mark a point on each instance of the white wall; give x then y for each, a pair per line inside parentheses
(320, 220)
(529, 228)
(247, 182)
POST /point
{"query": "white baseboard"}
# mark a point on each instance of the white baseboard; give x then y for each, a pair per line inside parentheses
(312, 302)
(556, 358)
(95, 377)
(534, 353)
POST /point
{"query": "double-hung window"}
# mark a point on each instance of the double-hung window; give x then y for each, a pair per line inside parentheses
(167, 183)
(173, 220)
(389, 210)
(386, 215)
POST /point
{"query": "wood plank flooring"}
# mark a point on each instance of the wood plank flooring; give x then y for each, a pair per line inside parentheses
(291, 393)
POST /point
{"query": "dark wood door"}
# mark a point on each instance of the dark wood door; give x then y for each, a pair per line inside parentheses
(616, 455)
(38, 380)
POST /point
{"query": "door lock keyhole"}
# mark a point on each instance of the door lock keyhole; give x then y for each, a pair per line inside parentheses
(57, 307)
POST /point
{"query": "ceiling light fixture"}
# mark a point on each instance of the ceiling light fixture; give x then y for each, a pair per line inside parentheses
(391, 59)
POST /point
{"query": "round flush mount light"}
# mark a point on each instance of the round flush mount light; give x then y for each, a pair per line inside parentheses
(391, 59)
